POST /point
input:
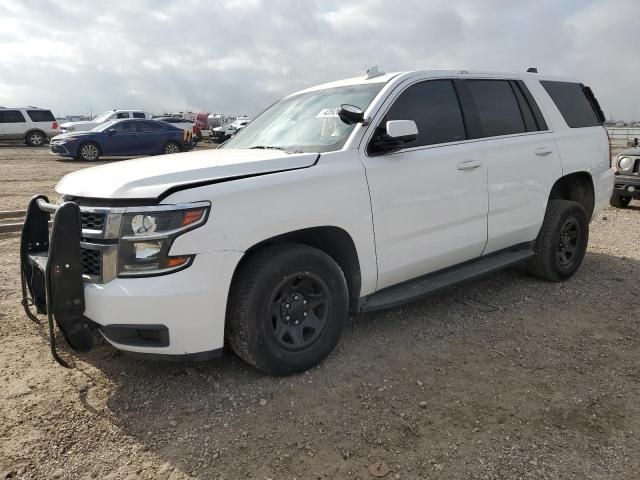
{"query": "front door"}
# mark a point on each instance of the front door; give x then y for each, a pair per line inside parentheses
(429, 200)
(123, 141)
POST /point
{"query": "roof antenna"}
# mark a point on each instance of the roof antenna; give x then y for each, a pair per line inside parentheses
(532, 70)
(373, 72)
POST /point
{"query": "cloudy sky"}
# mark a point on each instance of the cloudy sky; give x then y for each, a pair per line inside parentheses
(237, 56)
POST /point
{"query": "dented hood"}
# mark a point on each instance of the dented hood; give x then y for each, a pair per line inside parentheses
(151, 177)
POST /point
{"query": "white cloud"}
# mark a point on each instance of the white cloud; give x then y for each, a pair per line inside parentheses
(238, 56)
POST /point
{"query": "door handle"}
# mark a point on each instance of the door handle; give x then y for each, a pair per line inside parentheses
(470, 165)
(543, 151)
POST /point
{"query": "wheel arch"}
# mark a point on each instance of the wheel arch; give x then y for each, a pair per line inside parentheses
(32, 130)
(578, 187)
(334, 241)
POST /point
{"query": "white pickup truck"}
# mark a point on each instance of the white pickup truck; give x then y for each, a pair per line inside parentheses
(352, 196)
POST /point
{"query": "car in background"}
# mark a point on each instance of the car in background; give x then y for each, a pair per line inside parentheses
(33, 125)
(220, 134)
(183, 123)
(626, 183)
(100, 119)
(123, 138)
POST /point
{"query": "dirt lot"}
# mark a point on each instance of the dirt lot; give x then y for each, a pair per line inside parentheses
(508, 377)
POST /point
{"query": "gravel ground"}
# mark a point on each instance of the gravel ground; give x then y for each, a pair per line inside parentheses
(504, 378)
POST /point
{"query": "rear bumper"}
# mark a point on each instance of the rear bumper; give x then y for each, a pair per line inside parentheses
(626, 186)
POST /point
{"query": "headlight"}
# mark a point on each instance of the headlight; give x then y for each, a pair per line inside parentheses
(625, 164)
(146, 238)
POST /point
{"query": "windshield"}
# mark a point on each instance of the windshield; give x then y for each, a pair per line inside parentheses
(307, 122)
(103, 117)
(103, 126)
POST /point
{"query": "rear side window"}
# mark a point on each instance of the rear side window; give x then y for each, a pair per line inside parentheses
(497, 107)
(434, 106)
(574, 102)
(138, 115)
(11, 116)
(122, 115)
(151, 127)
(41, 116)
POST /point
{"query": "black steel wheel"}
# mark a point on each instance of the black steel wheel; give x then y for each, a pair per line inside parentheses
(562, 241)
(287, 308)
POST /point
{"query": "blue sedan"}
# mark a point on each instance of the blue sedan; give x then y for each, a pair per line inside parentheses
(123, 138)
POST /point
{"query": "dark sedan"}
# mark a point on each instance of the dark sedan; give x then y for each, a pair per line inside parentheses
(123, 138)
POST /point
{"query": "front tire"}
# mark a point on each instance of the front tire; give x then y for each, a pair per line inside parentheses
(287, 308)
(620, 202)
(89, 152)
(35, 139)
(171, 147)
(562, 241)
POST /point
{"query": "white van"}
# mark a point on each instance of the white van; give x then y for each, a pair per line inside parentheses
(352, 196)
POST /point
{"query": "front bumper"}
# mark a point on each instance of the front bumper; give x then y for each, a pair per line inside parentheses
(626, 186)
(177, 314)
(60, 149)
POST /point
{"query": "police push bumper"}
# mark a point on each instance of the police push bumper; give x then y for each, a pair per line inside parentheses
(51, 273)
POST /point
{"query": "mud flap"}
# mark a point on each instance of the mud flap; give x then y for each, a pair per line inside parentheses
(52, 272)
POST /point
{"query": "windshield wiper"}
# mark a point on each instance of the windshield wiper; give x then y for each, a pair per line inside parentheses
(267, 147)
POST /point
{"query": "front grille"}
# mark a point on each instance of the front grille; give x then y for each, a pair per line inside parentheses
(91, 262)
(92, 221)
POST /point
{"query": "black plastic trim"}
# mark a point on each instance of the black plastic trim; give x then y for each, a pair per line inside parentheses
(537, 114)
(134, 335)
(185, 357)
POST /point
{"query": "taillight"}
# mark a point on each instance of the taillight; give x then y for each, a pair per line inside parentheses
(54, 126)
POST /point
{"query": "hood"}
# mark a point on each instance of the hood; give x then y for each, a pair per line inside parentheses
(630, 151)
(78, 124)
(153, 176)
(81, 133)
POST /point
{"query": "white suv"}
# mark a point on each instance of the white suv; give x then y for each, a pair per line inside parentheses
(100, 119)
(31, 124)
(352, 196)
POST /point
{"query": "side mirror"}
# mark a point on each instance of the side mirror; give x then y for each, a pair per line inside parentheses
(404, 130)
(111, 131)
(350, 114)
(394, 136)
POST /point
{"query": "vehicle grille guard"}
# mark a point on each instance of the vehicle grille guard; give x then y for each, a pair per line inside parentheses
(51, 273)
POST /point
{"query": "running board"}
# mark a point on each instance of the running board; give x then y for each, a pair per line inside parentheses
(413, 289)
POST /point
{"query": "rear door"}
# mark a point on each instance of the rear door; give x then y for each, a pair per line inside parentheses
(13, 124)
(521, 157)
(152, 136)
(429, 200)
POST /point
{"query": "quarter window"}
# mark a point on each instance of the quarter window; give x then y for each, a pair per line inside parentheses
(11, 116)
(497, 107)
(41, 116)
(434, 106)
(574, 102)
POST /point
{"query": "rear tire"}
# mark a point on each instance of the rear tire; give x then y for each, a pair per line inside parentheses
(619, 201)
(562, 241)
(287, 308)
(89, 152)
(36, 139)
(171, 147)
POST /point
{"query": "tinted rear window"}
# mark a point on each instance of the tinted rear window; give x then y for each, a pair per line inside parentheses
(11, 116)
(434, 106)
(41, 116)
(138, 115)
(497, 107)
(573, 103)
